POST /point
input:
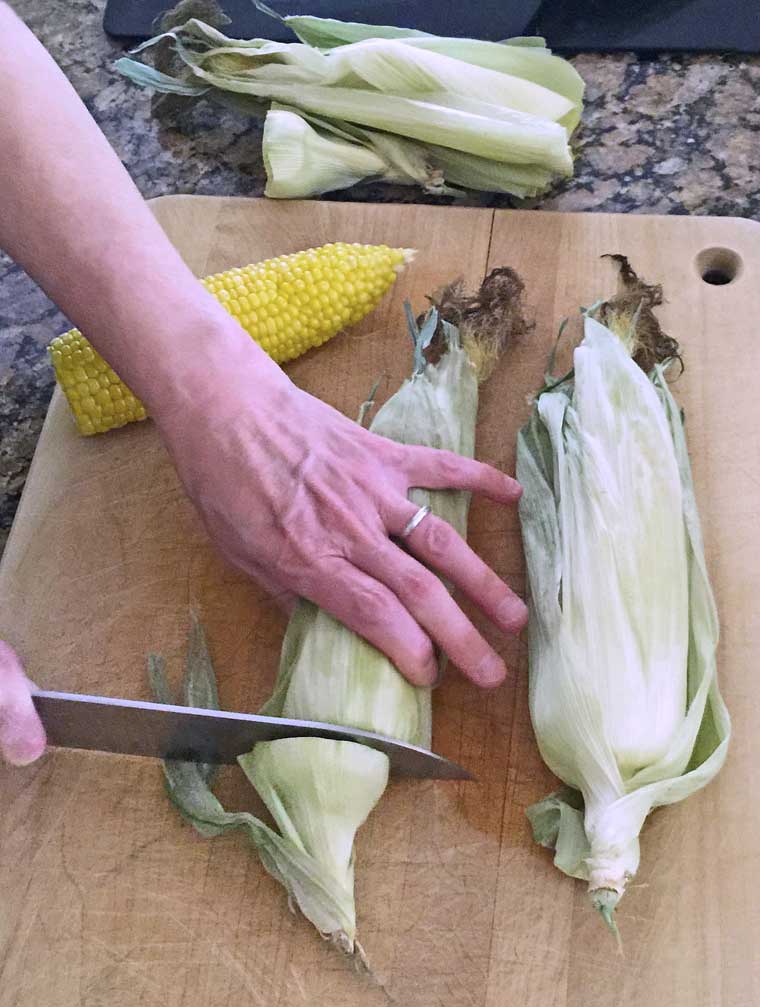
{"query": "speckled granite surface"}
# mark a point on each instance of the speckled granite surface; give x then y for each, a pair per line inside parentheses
(671, 135)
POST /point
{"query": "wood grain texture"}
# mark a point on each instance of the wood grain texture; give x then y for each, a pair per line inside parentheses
(108, 899)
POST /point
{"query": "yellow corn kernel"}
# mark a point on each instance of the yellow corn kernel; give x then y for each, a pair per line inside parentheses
(288, 305)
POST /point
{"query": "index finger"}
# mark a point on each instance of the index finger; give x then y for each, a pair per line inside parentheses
(434, 469)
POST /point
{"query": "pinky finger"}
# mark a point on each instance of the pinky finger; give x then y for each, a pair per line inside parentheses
(431, 468)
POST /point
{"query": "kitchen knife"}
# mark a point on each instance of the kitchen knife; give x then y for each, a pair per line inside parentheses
(131, 727)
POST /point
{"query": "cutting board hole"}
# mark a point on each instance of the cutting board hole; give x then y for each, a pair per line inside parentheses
(718, 266)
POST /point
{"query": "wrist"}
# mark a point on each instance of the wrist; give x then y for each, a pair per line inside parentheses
(209, 369)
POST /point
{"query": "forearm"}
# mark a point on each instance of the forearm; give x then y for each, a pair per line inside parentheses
(72, 218)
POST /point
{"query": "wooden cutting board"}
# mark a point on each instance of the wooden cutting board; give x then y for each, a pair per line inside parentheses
(108, 899)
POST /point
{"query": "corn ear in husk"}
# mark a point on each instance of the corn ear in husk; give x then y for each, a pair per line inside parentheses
(320, 791)
(623, 630)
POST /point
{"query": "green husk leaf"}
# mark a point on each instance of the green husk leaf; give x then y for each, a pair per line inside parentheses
(159, 683)
(469, 171)
(393, 67)
(320, 898)
(327, 33)
(557, 824)
(147, 76)
(429, 165)
(199, 686)
(404, 161)
(528, 41)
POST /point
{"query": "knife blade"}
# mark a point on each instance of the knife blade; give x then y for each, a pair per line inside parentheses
(132, 727)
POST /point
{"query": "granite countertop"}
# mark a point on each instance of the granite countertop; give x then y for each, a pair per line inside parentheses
(675, 134)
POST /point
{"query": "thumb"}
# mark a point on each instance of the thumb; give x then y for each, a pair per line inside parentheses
(22, 736)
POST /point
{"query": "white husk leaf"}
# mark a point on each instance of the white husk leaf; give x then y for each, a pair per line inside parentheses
(623, 631)
(301, 163)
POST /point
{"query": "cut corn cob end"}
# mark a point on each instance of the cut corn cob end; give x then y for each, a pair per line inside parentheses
(288, 305)
(98, 399)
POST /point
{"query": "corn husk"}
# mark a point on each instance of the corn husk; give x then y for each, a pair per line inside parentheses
(487, 115)
(623, 630)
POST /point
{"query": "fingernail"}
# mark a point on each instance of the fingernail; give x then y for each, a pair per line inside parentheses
(432, 673)
(512, 615)
(491, 671)
(516, 488)
(439, 669)
(22, 751)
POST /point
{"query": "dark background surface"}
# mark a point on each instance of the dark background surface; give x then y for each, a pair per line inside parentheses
(645, 26)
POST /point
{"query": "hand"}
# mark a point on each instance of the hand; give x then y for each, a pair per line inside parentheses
(22, 736)
(305, 501)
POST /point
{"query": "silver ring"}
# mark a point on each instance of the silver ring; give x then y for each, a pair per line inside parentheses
(413, 521)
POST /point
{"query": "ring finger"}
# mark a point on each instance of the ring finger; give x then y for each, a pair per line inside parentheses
(439, 546)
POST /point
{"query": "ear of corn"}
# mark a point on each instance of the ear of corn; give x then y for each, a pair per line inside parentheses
(288, 305)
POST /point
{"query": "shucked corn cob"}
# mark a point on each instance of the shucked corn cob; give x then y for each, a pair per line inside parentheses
(288, 305)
